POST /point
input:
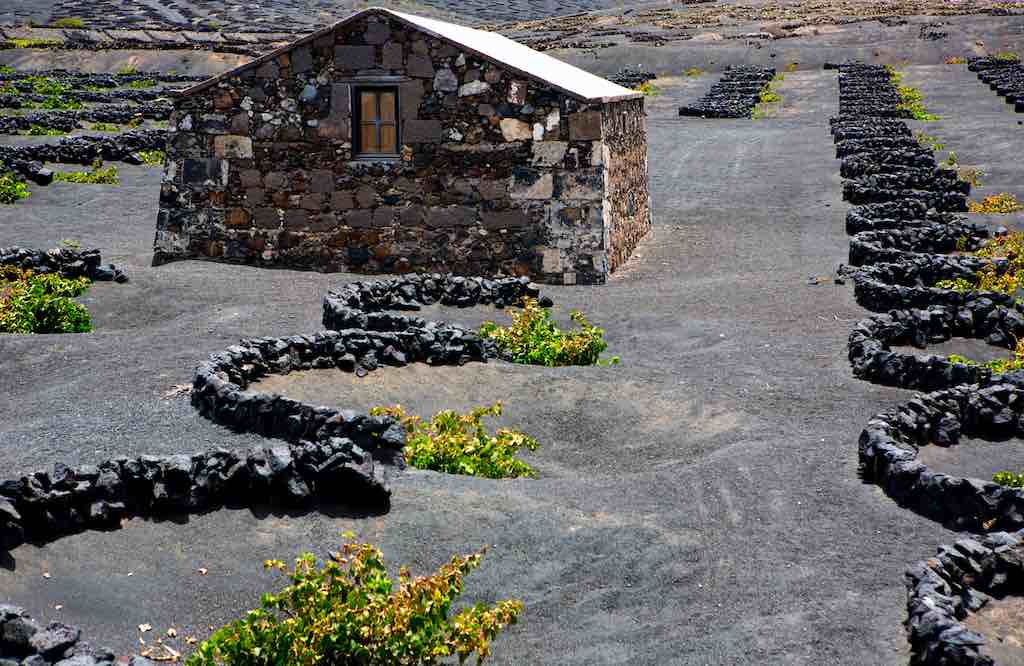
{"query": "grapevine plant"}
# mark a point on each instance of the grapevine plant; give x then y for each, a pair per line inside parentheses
(534, 339)
(459, 444)
(349, 611)
(41, 303)
(1009, 247)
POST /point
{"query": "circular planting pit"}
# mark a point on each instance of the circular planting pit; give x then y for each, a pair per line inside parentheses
(874, 343)
(894, 245)
(890, 445)
(906, 283)
(965, 605)
(974, 458)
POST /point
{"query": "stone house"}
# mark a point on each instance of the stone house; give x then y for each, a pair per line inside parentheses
(389, 143)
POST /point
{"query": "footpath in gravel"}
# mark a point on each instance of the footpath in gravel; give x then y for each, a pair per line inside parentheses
(698, 503)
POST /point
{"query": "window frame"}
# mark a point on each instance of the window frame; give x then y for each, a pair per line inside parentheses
(357, 121)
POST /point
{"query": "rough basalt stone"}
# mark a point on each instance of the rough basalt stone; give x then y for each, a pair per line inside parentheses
(64, 261)
(735, 94)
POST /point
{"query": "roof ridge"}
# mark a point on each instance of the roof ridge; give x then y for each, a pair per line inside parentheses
(490, 46)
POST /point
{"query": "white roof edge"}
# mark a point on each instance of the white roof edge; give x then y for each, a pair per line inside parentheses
(489, 45)
(522, 59)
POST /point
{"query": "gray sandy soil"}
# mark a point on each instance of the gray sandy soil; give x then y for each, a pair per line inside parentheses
(697, 504)
(1001, 620)
(971, 348)
(975, 458)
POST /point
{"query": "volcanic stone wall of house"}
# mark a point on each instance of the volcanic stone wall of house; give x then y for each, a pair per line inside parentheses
(497, 173)
(626, 201)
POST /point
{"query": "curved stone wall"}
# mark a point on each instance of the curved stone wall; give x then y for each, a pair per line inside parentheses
(902, 238)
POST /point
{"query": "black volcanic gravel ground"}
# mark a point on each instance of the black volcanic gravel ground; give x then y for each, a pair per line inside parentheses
(698, 504)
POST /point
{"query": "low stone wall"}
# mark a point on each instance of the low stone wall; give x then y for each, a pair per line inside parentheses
(961, 579)
(28, 160)
(62, 260)
(888, 450)
(894, 241)
(892, 215)
(907, 283)
(873, 189)
(734, 95)
(868, 163)
(1005, 77)
(70, 120)
(872, 358)
(25, 641)
(907, 241)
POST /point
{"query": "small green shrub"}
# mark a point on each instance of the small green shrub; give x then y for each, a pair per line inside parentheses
(694, 71)
(535, 340)
(45, 85)
(649, 89)
(153, 157)
(1008, 56)
(12, 189)
(956, 60)
(911, 99)
(6, 69)
(32, 43)
(791, 67)
(996, 204)
(142, 83)
(31, 303)
(999, 365)
(97, 176)
(71, 243)
(39, 130)
(127, 70)
(68, 23)
(347, 611)
(61, 103)
(928, 141)
(105, 127)
(1009, 479)
(769, 96)
(458, 443)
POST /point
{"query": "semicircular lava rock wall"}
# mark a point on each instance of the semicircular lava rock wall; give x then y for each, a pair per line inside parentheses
(64, 261)
(1004, 75)
(327, 454)
(903, 236)
(734, 95)
(29, 160)
(889, 446)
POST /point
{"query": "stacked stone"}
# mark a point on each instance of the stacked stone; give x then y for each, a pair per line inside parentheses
(889, 446)
(867, 91)
(28, 160)
(905, 283)
(1004, 76)
(70, 120)
(872, 358)
(64, 261)
(906, 242)
(25, 641)
(962, 578)
(734, 95)
(629, 77)
(16, 101)
(900, 238)
(77, 79)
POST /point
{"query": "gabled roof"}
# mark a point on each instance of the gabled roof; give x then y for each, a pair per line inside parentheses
(490, 46)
